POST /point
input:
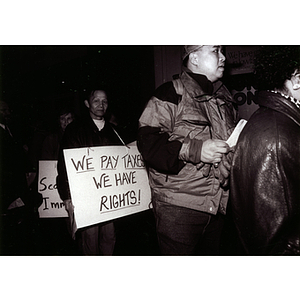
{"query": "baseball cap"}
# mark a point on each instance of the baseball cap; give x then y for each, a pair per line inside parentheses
(187, 50)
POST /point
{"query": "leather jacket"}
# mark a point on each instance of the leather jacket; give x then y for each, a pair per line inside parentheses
(178, 113)
(265, 178)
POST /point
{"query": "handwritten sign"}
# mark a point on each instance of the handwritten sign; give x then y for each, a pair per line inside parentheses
(52, 206)
(106, 183)
(240, 59)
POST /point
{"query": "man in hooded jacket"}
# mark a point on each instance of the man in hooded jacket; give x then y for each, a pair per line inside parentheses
(182, 134)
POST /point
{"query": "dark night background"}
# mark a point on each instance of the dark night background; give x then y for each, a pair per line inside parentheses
(37, 80)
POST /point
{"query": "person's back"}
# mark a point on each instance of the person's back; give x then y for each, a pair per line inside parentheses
(260, 154)
(266, 171)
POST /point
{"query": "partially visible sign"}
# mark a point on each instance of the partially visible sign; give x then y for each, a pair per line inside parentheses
(240, 59)
(106, 183)
(52, 206)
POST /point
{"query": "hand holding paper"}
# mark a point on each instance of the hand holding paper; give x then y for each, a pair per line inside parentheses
(223, 169)
(236, 133)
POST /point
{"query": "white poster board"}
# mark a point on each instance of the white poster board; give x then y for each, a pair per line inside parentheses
(52, 206)
(106, 183)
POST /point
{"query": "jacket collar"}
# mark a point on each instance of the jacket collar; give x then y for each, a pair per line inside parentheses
(199, 87)
(194, 82)
(205, 84)
(91, 124)
(279, 103)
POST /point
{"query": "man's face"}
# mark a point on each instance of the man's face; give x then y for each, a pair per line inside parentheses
(210, 62)
(97, 105)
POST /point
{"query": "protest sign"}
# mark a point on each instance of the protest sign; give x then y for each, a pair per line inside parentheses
(106, 183)
(52, 206)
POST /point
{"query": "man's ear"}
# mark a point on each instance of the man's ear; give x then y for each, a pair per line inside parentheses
(193, 58)
(87, 104)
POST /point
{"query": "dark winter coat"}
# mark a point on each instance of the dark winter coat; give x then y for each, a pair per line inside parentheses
(265, 178)
(13, 183)
(78, 134)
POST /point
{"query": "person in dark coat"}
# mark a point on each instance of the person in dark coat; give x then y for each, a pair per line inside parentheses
(55, 232)
(52, 141)
(265, 175)
(90, 131)
(17, 201)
